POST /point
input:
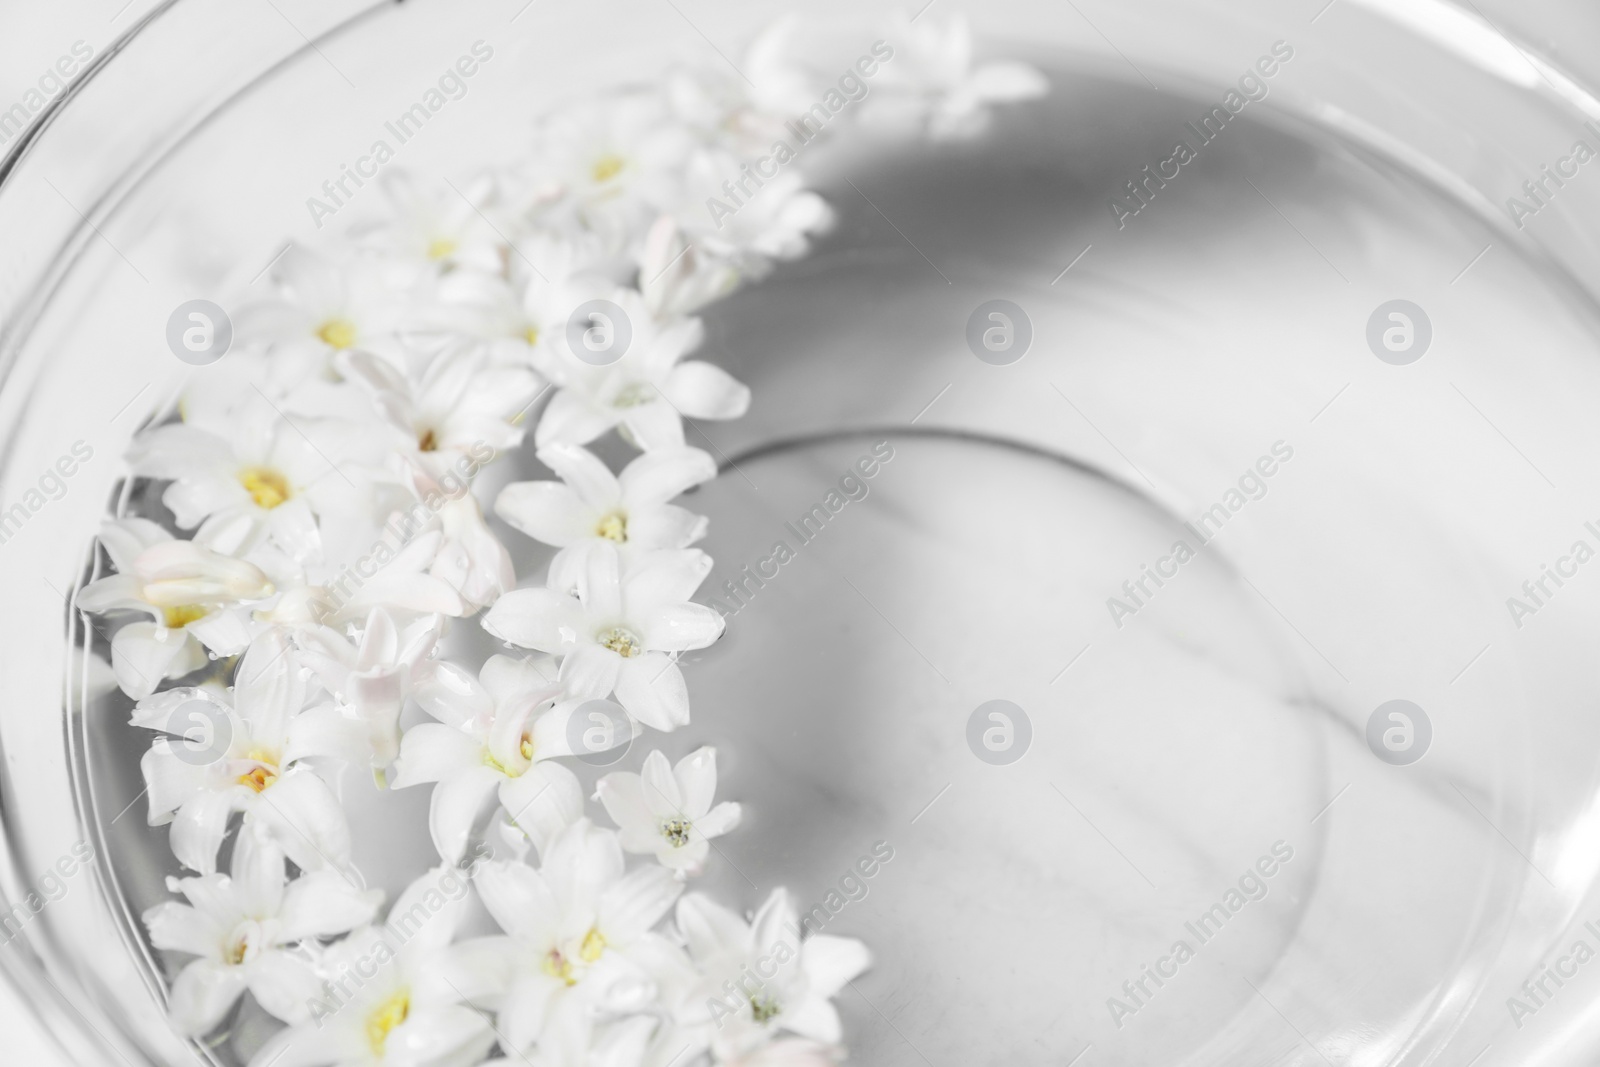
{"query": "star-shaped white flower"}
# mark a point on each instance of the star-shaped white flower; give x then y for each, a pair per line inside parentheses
(796, 998)
(372, 675)
(322, 306)
(492, 738)
(666, 811)
(451, 403)
(240, 928)
(630, 510)
(393, 997)
(221, 756)
(617, 631)
(931, 80)
(575, 926)
(432, 227)
(253, 465)
(197, 599)
(647, 390)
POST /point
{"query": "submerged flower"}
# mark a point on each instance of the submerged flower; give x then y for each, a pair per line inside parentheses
(618, 632)
(240, 926)
(666, 811)
(246, 758)
(629, 510)
(196, 599)
(493, 734)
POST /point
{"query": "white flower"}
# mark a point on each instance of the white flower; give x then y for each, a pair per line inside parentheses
(645, 391)
(255, 466)
(616, 630)
(748, 228)
(931, 80)
(613, 158)
(393, 997)
(247, 758)
(491, 738)
(399, 579)
(432, 227)
(194, 596)
(804, 975)
(470, 557)
(322, 307)
(240, 927)
(631, 509)
(373, 676)
(666, 811)
(458, 400)
(574, 926)
(676, 277)
(517, 312)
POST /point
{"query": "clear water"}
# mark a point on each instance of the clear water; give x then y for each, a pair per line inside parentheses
(1171, 753)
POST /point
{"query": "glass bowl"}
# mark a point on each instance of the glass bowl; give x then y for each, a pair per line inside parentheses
(1336, 746)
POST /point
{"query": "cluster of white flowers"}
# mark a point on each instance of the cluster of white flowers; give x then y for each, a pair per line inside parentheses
(321, 534)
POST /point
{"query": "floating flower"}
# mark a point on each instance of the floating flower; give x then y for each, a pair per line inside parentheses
(666, 811)
(248, 758)
(618, 632)
(931, 80)
(573, 927)
(433, 227)
(373, 675)
(761, 979)
(240, 928)
(392, 997)
(493, 734)
(322, 307)
(195, 597)
(646, 391)
(630, 510)
(456, 402)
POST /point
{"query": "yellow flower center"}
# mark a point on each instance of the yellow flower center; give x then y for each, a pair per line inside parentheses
(388, 1015)
(558, 966)
(594, 943)
(613, 528)
(181, 615)
(266, 486)
(633, 395)
(440, 247)
(265, 772)
(676, 831)
(340, 333)
(527, 748)
(235, 952)
(621, 642)
(427, 442)
(607, 167)
(531, 335)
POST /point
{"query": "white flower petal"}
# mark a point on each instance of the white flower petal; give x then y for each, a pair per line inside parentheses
(705, 391)
(651, 688)
(543, 619)
(543, 801)
(457, 802)
(432, 752)
(548, 512)
(658, 476)
(202, 994)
